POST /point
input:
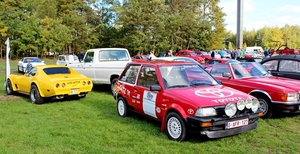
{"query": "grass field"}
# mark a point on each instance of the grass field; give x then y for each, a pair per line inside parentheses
(91, 125)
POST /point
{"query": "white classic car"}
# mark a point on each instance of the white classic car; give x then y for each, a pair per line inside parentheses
(24, 61)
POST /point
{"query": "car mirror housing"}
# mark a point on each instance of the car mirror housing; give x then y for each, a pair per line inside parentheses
(226, 75)
(155, 88)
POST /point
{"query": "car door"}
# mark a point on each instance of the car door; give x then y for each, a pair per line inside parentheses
(26, 80)
(149, 104)
(87, 67)
(289, 69)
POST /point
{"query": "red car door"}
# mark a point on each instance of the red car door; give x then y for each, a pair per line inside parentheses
(146, 99)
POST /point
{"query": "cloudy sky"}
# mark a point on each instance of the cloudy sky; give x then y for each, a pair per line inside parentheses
(260, 13)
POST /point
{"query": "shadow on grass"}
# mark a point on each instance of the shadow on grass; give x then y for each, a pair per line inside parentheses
(102, 88)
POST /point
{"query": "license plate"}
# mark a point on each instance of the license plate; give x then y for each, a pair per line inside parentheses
(74, 91)
(237, 123)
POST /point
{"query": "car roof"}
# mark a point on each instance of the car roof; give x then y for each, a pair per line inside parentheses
(161, 62)
(289, 57)
(170, 58)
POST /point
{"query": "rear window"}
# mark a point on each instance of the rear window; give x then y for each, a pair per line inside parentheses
(57, 70)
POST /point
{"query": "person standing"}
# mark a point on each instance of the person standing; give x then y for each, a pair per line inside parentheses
(212, 55)
(169, 54)
(151, 55)
(28, 66)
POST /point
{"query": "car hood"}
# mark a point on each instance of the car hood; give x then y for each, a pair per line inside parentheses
(273, 81)
(205, 96)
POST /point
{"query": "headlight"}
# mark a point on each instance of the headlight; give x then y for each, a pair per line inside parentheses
(289, 97)
(230, 109)
(292, 97)
(248, 103)
(206, 112)
(255, 105)
(241, 104)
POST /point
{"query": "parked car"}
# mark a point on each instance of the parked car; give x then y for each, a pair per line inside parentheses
(67, 59)
(24, 61)
(103, 65)
(175, 58)
(250, 59)
(191, 54)
(185, 99)
(274, 93)
(287, 66)
(49, 81)
(204, 54)
(209, 65)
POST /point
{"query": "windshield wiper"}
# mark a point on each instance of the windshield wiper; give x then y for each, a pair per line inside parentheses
(178, 86)
(201, 84)
(265, 74)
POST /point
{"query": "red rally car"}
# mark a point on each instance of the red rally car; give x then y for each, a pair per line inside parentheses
(185, 99)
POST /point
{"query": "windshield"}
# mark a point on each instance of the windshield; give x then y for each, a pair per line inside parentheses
(247, 69)
(32, 60)
(189, 75)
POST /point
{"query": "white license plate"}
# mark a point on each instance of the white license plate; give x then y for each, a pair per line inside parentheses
(74, 91)
(237, 123)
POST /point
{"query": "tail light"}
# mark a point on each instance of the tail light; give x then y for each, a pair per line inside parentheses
(83, 83)
(57, 85)
(63, 85)
(89, 82)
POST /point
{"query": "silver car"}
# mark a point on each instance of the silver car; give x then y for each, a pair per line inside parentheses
(24, 61)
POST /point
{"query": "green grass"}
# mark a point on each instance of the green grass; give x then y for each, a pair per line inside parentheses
(92, 125)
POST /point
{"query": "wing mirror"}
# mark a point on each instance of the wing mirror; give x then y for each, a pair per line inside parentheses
(226, 75)
(43, 61)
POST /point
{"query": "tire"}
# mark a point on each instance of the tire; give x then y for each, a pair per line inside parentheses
(19, 70)
(9, 89)
(122, 107)
(266, 105)
(112, 87)
(35, 96)
(175, 127)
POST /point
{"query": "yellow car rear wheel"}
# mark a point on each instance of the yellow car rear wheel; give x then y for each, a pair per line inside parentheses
(35, 96)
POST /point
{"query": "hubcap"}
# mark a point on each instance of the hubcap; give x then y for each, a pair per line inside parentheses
(33, 95)
(264, 105)
(121, 109)
(174, 127)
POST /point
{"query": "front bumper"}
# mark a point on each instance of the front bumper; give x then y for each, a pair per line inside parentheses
(217, 130)
(287, 107)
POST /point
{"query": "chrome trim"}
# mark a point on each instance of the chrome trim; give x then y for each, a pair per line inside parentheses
(286, 103)
(261, 91)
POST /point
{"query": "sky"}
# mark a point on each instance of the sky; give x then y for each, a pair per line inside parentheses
(260, 13)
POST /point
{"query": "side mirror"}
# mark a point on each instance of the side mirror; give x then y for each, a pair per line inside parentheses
(226, 75)
(43, 61)
(155, 88)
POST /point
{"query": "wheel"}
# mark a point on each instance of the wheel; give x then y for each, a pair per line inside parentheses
(266, 106)
(176, 129)
(113, 88)
(122, 107)
(19, 70)
(9, 89)
(35, 96)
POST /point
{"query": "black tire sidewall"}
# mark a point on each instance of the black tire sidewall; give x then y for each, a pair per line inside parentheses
(183, 134)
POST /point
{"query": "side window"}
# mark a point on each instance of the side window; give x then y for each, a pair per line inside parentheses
(288, 66)
(271, 65)
(130, 74)
(219, 69)
(32, 72)
(147, 77)
(89, 57)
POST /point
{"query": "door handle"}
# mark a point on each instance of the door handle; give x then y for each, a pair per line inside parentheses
(135, 88)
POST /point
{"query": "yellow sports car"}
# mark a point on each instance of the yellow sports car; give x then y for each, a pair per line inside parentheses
(49, 81)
